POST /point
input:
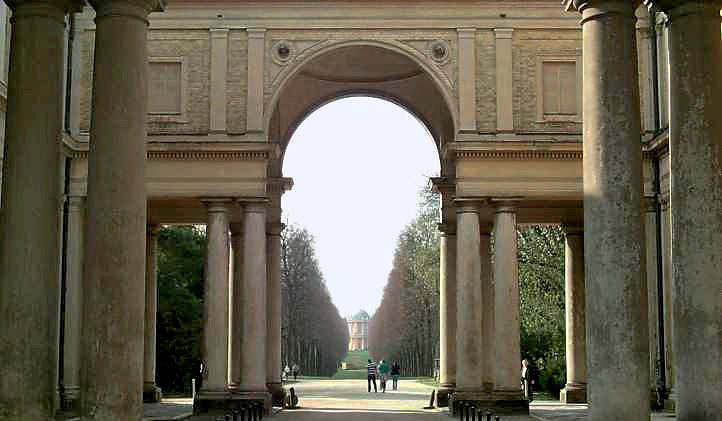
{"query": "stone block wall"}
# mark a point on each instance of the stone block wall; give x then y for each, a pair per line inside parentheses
(194, 47)
(486, 81)
(237, 81)
(528, 45)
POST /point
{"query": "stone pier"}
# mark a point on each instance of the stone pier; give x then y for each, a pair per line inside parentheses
(616, 291)
(695, 56)
(575, 390)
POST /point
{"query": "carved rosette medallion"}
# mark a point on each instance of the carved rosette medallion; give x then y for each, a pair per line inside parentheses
(439, 51)
(282, 52)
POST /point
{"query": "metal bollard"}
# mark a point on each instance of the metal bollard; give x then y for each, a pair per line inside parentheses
(488, 416)
(193, 388)
(497, 418)
(473, 413)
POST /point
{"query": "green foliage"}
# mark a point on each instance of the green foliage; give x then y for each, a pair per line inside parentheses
(314, 335)
(180, 306)
(541, 290)
(357, 359)
(405, 327)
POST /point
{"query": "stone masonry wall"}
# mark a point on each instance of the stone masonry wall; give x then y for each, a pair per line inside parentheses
(527, 46)
(486, 81)
(237, 81)
(194, 47)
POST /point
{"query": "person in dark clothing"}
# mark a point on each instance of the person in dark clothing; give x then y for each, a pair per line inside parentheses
(526, 380)
(395, 373)
(371, 370)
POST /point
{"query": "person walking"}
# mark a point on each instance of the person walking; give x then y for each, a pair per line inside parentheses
(395, 373)
(295, 370)
(371, 370)
(383, 374)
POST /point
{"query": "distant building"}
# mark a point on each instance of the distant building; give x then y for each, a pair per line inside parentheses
(358, 331)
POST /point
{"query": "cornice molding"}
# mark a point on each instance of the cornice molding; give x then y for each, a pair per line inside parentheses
(196, 155)
(519, 155)
(279, 185)
(549, 151)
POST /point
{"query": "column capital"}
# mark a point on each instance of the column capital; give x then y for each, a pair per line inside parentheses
(468, 205)
(217, 205)
(504, 33)
(253, 204)
(64, 5)
(592, 9)
(505, 204)
(275, 228)
(446, 228)
(134, 8)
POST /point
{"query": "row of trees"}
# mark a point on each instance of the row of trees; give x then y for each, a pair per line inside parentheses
(314, 335)
(405, 328)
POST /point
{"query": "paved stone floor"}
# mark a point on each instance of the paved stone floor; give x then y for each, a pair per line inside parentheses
(348, 400)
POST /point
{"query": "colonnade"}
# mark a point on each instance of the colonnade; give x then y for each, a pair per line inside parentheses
(606, 288)
(486, 335)
(241, 356)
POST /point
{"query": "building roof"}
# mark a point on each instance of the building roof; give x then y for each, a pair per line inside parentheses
(361, 316)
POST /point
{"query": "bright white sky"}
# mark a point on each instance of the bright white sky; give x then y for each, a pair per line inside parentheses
(358, 165)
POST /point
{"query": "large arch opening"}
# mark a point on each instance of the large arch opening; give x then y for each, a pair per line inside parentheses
(373, 69)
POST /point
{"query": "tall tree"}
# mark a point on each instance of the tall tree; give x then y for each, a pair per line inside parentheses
(405, 327)
(181, 253)
(314, 335)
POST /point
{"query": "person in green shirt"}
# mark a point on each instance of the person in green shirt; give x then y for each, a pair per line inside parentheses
(384, 374)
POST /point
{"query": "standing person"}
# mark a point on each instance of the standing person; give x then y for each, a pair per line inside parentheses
(526, 381)
(295, 370)
(395, 373)
(371, 371)
(286, 371)
(384, 374)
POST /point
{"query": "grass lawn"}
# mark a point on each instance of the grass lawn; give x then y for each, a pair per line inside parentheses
(350, 375)
(356, 360)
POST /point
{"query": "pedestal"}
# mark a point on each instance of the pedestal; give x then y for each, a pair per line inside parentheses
(574, 393)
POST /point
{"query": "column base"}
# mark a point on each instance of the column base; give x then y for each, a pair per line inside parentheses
(498, 402)
(69, 403)
(151, 393)
(574, 393)
(223, 402)
(278, 393)
(443, 394)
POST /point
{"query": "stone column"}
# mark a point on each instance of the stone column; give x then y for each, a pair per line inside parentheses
(616, 290)
(73, 304)
(151, 393)
(273, 322)
(447, 313)
(253, 343)
(114, 290)
(236, 313)
(469, 346)
(506, 308)
(215, 303)
(574, 306)
(488, 365)
(29, 221)
(695, 56)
